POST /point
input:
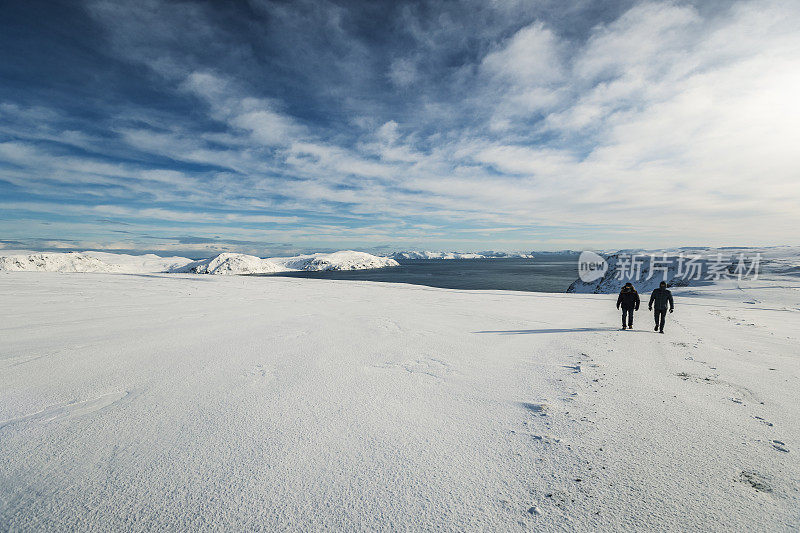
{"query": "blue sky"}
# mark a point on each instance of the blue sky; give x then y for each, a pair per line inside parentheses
(276, 127)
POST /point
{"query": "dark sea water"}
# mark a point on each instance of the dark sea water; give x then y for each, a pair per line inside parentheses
(551, 273)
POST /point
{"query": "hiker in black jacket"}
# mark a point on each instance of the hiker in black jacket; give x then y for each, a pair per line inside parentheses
(629, 301)
(659, 299)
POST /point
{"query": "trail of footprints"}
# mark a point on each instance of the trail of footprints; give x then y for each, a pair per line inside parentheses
(744, 397)
(576, 482)
(538, 420)
(737, 321)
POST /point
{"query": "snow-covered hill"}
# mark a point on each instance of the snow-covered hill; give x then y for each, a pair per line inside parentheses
(225, 264)
(416, 255)
(344, 260)
(140, 263)
(230, 264)
(56, 262)
(689, 267)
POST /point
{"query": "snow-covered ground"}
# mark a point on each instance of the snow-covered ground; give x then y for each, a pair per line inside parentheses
(178, 402)
(225, 263)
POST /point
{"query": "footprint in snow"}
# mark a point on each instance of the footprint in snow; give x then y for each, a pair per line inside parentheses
(546, 439)
(259, 374)
(780, 446)
(741, 392)
(769, 424)
(685, 376)
(559, 498)
(755, 480)
(539, 409)
(571, 397)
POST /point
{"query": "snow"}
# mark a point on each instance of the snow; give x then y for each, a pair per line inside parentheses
(140, 263)
(415, 255)
(225, 263)
(230, 264)
(55, 262)
(773, 260)
(344, 260)
(192, 402)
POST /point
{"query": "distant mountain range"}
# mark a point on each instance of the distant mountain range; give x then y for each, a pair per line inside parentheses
(489, 254)
(225, 263)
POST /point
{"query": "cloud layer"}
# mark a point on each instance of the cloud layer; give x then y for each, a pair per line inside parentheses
(307, 125)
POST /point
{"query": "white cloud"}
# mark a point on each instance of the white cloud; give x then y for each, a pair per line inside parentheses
(266, 126)
(256, 116)
(530, 58)
(525, 160)
(669, 119)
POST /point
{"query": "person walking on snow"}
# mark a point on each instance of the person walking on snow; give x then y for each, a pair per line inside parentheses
(659, 299)
(629, 301)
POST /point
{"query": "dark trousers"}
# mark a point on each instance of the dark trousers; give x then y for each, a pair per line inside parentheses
(629, 314)
(660, 315)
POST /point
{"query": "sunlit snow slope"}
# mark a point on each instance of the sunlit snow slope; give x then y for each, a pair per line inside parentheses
(190, 402)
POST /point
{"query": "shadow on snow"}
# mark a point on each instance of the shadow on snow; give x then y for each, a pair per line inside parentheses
(553, 330)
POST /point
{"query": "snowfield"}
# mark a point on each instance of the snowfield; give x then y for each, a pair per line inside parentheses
(174, 402)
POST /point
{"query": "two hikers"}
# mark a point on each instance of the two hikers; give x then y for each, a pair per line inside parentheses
(658, 304)
(628, 300)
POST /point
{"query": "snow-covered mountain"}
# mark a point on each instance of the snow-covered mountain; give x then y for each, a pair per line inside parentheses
(223, 264)
(140, 263)
(229, 264)
(557, 252)
(490, 254)
(56, 262)
(415, 255)
(690, 266)
(344, 260)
